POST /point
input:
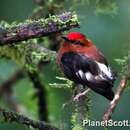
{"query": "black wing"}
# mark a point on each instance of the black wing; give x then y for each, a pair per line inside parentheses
(85, 71)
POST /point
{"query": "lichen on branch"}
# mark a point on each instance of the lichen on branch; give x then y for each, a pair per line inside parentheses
(37, 28)
(18, 118)
(27, 54)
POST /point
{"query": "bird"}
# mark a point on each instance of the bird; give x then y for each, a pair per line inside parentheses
(84, 64)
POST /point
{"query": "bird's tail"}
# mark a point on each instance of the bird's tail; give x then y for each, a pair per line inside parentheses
(103, 88)
(109, 94)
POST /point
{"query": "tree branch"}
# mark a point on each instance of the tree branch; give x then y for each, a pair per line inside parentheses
(6, 86)
(107, 115)
(15, 117)
(38, 28)
(45, 9)
(41, 95)
(82, 109)
(28, 55)
(6, 89)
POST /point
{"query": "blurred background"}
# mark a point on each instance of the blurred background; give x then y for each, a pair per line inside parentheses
(106, 24)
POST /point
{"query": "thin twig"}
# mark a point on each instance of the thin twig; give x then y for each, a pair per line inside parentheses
(107, 115)
(18, 118)
(38, 28)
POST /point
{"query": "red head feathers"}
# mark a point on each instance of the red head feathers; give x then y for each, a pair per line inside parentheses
(76, 36)
(84, 64)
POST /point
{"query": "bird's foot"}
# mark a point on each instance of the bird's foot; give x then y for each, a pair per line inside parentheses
(79, 95)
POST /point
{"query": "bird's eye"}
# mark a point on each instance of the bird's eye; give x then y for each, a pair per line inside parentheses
(78, 43)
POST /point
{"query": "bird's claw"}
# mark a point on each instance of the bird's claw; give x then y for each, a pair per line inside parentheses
(79, 95)
(76, 98)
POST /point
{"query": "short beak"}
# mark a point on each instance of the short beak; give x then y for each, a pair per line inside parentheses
(65, 38)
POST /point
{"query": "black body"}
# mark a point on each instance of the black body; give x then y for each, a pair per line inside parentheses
(72, 62)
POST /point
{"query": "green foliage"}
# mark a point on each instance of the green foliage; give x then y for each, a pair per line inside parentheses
(27, 54)
(107, 7)
(106, 129)
(125, 64)
(67, 84)
(4, 24)
(76, 3)
(77, 127)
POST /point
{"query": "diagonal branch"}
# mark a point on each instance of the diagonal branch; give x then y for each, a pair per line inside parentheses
(107, 115)
(38, 28)
(18, 118)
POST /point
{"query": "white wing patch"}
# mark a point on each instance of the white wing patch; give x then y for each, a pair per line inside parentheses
(106, 70)
(87, 75)
(104, 73)
(81, 73)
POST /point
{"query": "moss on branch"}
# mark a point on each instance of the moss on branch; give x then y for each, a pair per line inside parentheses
(15, 117)
(37, 28)
(27, 55)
